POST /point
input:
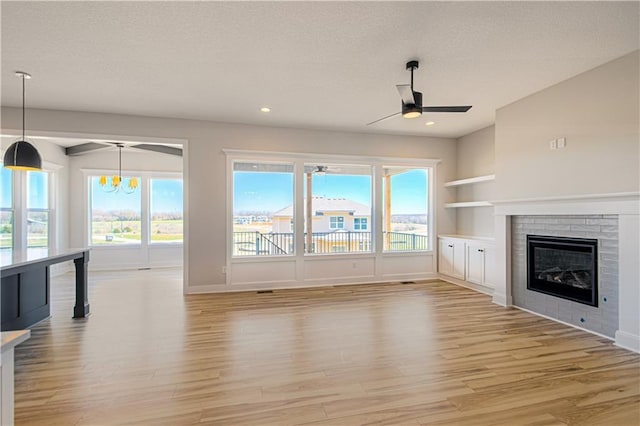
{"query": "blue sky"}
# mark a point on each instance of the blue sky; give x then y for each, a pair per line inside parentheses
(255, 191)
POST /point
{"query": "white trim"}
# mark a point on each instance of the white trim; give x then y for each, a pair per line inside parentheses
(628, 341)
(467, 204)
(607, 196)
(470, 180)
(240, 154)
(91, 137)
(472, 286)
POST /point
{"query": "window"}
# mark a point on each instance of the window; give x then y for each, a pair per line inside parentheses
(324, 206)
(263, 211)
(166, 197)
(337, 193)
(405, 193)
(37, 209)
(360, 223)
(336, 222)
(115, 217)
(6, 209)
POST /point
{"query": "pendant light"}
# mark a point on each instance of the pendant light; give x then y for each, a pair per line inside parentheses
(21, 155)
(117, 183)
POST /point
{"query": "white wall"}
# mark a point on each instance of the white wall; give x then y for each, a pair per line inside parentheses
(475, 157)
(597, 112)
(206, 165)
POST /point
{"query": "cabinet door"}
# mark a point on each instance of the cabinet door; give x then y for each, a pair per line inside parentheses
(475, 263)
(458, 259)
(445, 258)
(490, 273)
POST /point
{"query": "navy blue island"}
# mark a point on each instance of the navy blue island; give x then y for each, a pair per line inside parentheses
(25, 293)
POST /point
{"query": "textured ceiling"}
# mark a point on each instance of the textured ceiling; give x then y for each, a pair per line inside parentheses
(329, 65)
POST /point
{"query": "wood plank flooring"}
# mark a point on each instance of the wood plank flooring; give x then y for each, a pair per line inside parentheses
(414, 354)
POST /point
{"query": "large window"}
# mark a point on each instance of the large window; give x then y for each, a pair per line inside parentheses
(263, 210)
(26, 210)
(166, 211)
(340, 199)
(6, 209)
(37, 209)
(328, 206)
(405, 194)
(115, 216)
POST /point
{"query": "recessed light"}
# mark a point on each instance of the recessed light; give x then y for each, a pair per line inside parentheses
(265, 109)
(429, 123)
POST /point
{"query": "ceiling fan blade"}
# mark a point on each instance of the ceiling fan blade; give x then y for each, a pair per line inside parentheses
(464, 108)
(406, 94)
(383, 118)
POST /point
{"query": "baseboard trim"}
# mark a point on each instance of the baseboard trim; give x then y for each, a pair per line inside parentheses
(239, 288)
(627, 341)
(479, 288)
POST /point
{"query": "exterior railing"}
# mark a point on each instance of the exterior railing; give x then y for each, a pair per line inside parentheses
(256, 243)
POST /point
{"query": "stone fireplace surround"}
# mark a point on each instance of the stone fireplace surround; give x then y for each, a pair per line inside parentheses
(620, 322)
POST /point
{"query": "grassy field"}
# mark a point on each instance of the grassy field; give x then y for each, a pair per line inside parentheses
(111, 233)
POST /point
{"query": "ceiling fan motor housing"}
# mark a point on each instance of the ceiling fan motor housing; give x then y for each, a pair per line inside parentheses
(413, 110)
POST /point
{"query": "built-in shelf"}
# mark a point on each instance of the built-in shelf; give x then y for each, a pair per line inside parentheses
(470, 180)
(468, 204)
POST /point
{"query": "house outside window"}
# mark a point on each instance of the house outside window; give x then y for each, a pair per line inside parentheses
(336, 222)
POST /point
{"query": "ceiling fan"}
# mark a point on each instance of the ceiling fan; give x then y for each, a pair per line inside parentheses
(412, 101)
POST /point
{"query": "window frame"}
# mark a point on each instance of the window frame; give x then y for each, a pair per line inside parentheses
(145, 177)
(374, 226)
(339, 222)
(20, 211)
(360, 224)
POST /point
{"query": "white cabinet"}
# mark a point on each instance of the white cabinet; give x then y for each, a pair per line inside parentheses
(480, 260)
(452, 257)
(470, 259)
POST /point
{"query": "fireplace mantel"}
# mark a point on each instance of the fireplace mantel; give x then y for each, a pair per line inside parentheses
(625, 205)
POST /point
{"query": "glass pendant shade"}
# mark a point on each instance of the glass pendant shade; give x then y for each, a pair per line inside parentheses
(21, 155)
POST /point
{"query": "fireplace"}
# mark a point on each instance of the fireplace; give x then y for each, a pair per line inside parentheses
(563, 267)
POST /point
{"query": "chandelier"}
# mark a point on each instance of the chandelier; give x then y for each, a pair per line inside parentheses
(116, 183)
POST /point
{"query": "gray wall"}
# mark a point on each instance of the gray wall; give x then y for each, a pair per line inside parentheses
(598, 114)
(475, 157)
(205, 173)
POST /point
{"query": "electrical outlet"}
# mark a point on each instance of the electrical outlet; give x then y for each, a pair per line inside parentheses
(224, 269)
(561, 143)
(553, 144)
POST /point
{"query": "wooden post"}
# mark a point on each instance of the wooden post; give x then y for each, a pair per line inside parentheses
(309, 215)
(387, 211)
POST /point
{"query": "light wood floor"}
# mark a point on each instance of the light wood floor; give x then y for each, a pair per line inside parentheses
(426, 353)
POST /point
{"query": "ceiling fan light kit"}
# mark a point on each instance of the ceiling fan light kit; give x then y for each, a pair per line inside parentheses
(21, 155)
(411, 106)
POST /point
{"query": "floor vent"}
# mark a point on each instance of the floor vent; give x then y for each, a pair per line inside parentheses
(407, 282)
(144, 269)
(264, 291)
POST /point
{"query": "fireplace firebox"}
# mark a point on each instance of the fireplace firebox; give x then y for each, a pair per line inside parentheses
(563, 267)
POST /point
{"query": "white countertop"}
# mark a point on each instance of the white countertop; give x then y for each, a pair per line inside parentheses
(13, 258)
(467, 237)
(11, 339)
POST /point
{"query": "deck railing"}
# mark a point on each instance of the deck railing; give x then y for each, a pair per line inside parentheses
(256, 243)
